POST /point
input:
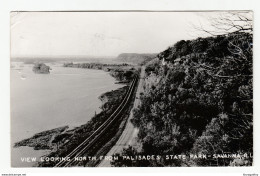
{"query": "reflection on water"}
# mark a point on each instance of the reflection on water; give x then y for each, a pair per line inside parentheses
(66, 96)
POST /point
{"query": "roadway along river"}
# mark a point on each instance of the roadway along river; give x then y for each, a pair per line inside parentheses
(129, 135)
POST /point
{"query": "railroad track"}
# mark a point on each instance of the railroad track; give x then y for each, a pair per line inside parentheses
(97, 134)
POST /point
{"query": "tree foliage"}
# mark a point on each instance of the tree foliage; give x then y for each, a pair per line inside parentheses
(201, 101)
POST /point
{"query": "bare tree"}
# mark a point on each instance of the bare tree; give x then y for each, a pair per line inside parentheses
(228, 22)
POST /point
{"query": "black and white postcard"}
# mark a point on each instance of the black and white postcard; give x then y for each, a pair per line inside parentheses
(131, 88)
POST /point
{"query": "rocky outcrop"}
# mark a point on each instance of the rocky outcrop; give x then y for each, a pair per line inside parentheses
(42, 140)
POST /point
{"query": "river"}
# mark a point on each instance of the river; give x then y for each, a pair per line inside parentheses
(66, 96)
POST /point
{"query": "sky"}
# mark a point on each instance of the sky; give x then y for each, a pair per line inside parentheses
(98, 33)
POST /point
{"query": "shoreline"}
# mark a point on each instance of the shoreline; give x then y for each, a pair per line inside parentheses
(53, 139)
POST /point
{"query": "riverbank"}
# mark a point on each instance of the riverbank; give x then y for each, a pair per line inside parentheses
(42, 140)
(128, 135)
(123, 73)
(63, 139)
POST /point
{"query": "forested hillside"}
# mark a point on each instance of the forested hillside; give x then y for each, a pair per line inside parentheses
(135, 58)
(197, 99)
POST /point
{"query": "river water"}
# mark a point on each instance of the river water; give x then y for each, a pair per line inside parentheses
(66, 96)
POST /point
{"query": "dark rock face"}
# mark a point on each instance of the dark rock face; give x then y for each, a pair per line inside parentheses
(41, 68)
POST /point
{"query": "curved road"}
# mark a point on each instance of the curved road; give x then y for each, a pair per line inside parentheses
(129, 134)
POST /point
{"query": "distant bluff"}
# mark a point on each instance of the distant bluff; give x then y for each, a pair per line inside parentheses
(41, 68)
(136, 58)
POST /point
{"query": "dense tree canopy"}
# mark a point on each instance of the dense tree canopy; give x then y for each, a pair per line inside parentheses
(201, 101)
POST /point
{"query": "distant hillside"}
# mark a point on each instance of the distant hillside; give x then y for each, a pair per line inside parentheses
(135, 58)
(69, 58)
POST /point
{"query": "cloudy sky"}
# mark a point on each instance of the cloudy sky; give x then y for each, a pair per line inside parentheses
(98, 33)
